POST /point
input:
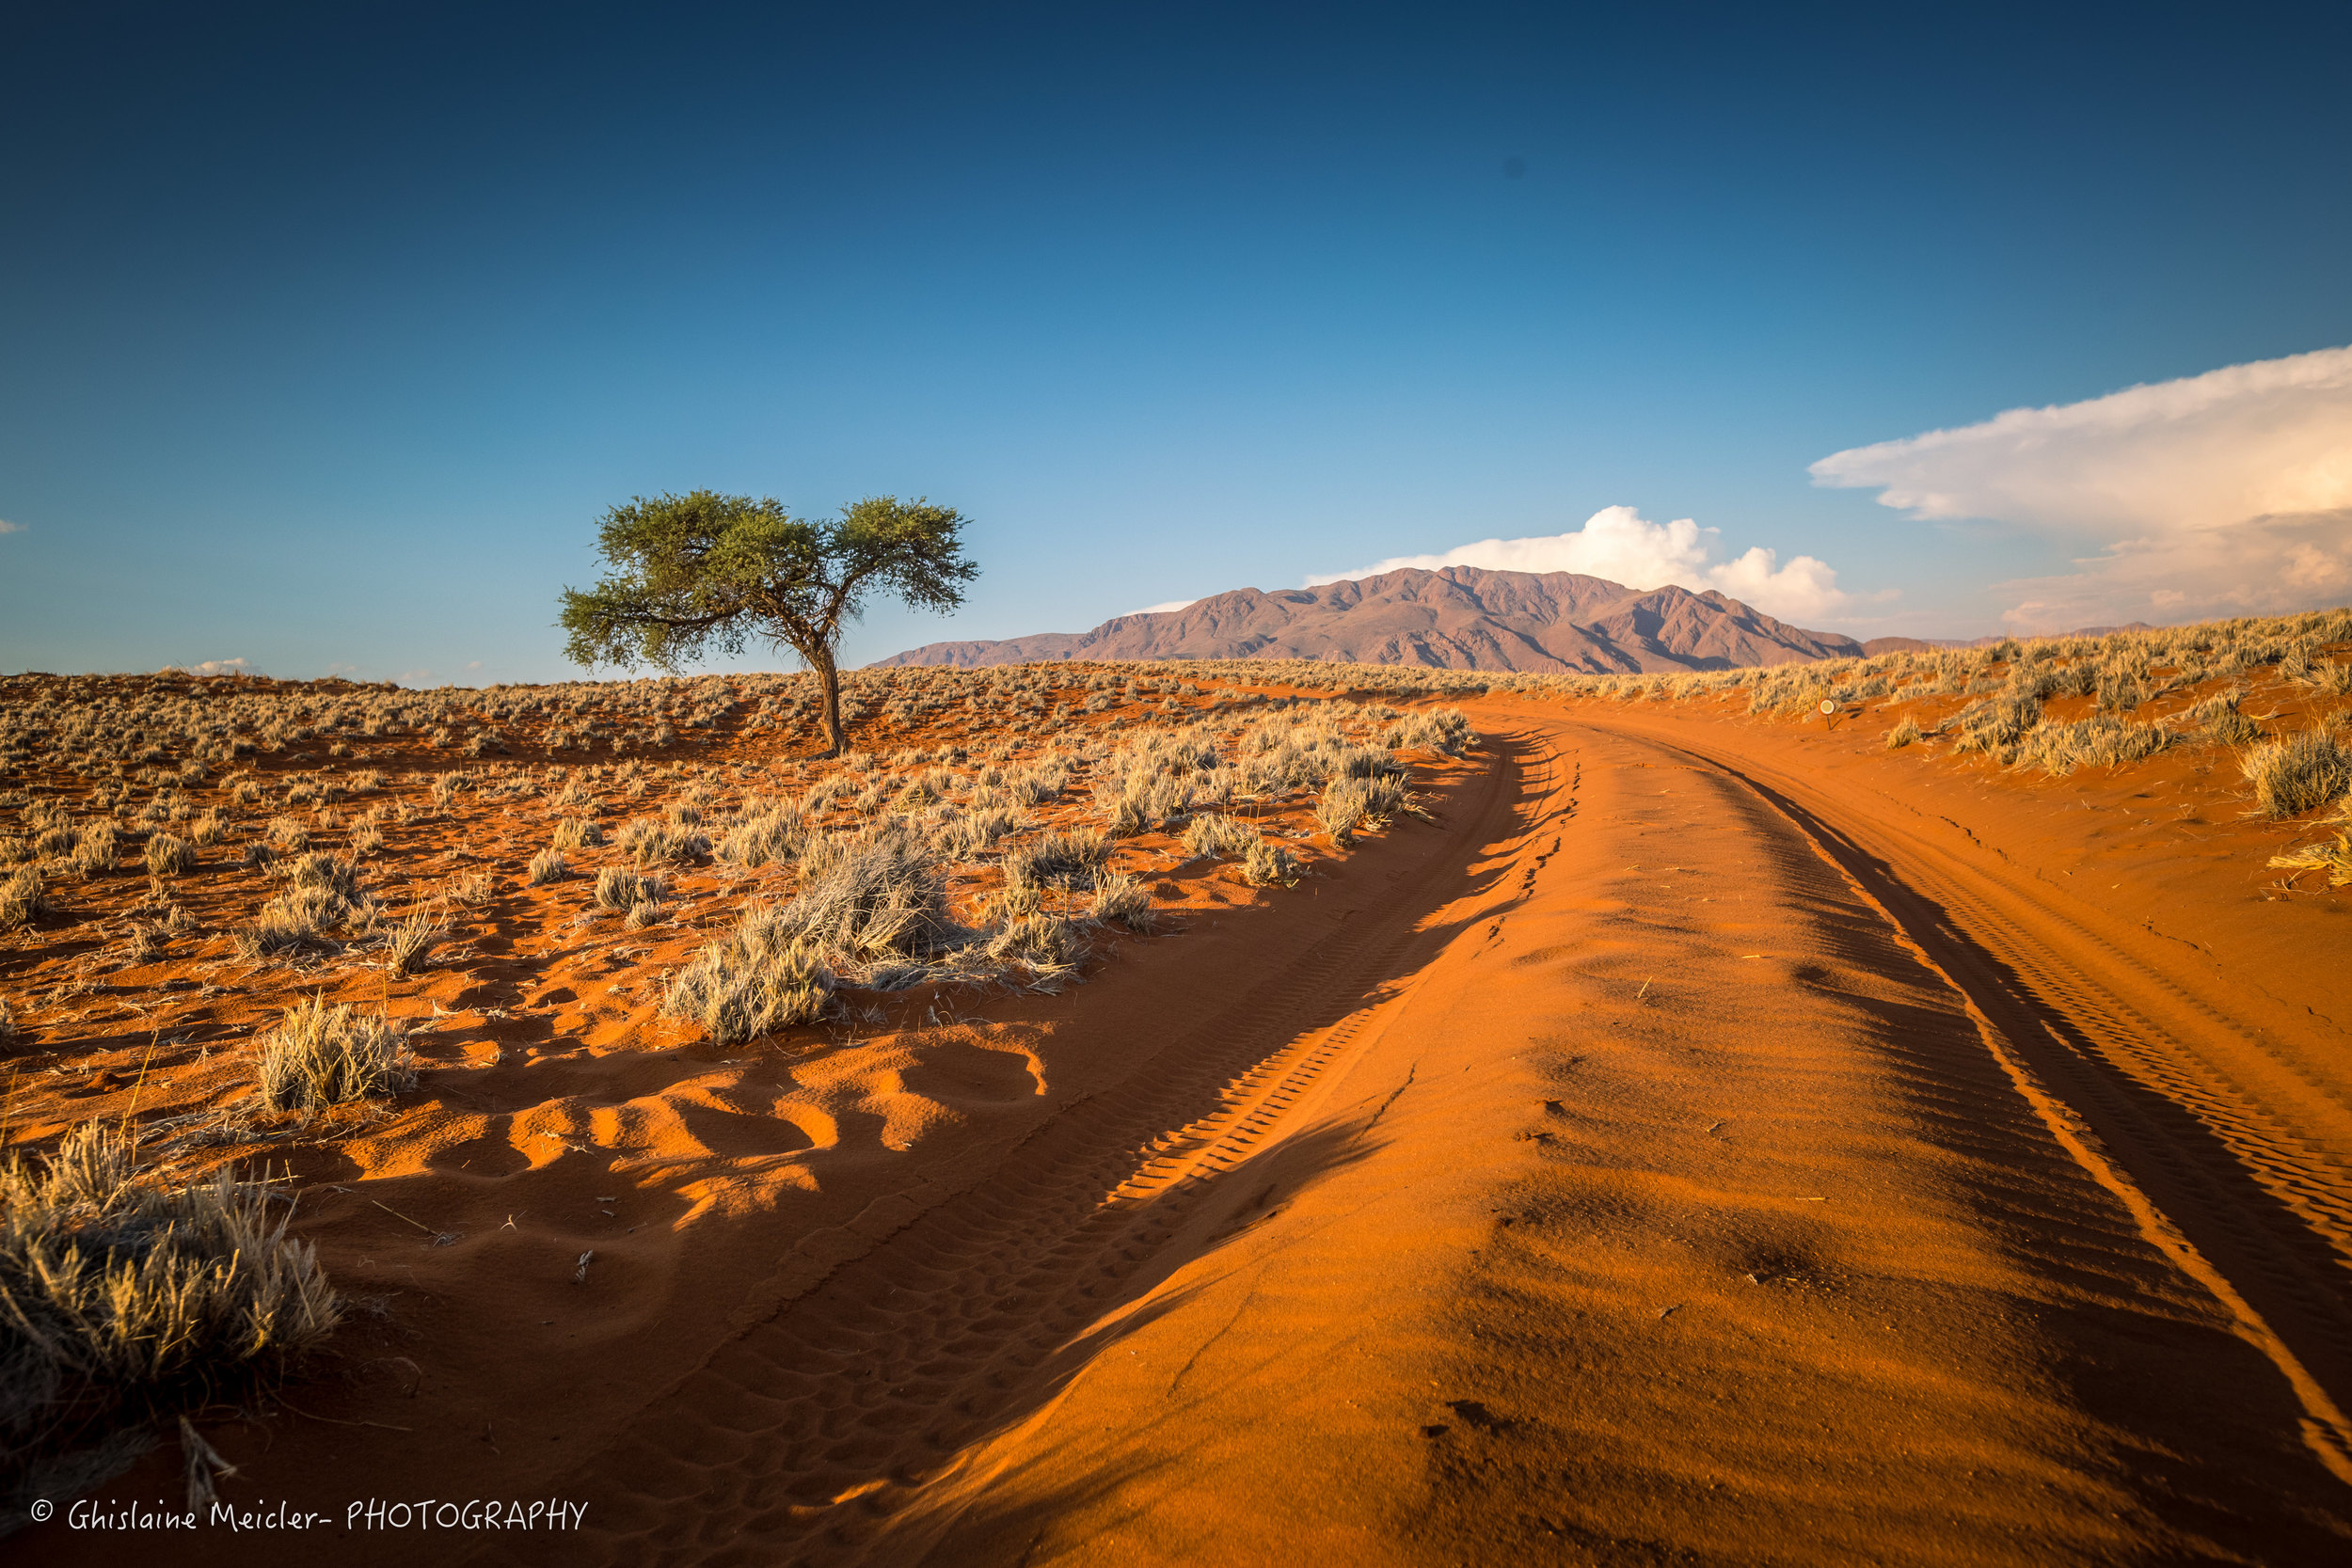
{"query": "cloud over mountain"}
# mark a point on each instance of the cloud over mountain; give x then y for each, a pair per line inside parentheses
(1618, 544)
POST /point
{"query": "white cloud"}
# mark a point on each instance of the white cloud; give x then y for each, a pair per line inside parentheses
(1620, 545)
(2227, 493)
(217, 666)
(1164, 608)
(8, 527)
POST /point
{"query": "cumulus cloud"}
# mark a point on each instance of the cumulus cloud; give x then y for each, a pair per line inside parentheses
(2227, 492)
(217, 666)
(1164, 608)
(8, 527)
(1620, 545)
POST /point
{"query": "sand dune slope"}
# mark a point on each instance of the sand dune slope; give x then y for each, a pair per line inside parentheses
(1692, 1157)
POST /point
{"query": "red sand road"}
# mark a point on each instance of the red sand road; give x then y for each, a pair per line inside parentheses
(1709, 1142)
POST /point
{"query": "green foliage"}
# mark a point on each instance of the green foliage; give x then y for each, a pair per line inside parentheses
(702, 573)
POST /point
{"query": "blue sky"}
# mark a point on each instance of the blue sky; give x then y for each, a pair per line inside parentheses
(325, 339)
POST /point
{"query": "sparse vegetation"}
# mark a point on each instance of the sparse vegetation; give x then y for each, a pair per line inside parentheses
(327, 1056)
(124, 1297)
(168, 856)
(2298, 773)
(22, 899)
(1268, 864)
(764, 975)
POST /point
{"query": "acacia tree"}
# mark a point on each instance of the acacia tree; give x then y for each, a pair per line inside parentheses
(702, 572)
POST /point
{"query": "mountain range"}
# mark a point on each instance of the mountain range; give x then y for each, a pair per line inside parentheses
(1459, 618)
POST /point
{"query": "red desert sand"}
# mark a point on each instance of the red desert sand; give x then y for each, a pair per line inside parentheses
(1689, 1134)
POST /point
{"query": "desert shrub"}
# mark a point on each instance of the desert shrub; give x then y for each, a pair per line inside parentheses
(1348, 804)
(1124, 898)
(366, 838)
(547, 867)
(23, 900)
(578, 832)
(55, 841)
(868, 898)
(95, 850)
(2293, 775)
(323, 894)
(143, 942)
(979, 830)
(775, 832)
(642, 915)
(2329, 680)
(2223, 723)
(620, 890)
(168, 856)
(2119, 692)
(1140, 800)
(1444, 729)
(1997, 724)
(651, 842)
(1903, 734)
(123, 1299)
(1267, 863)
(207, 830)
(1042, 942)
(1057, 859)
(1032, 786)
(762, 976)
(1220, 836)
(2098, 741)
(323, 1056)
(2332, 856)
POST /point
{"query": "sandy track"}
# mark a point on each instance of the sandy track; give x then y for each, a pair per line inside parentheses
(796, 1439)
(2231, 1147)
(1696, 1156)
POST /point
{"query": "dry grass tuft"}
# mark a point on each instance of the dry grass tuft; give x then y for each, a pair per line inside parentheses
(2331, 856)
(547, 867)
(410, 942)
(1349, 803)
(621, 890)
(323, 894)
(22, 899)
(123, 1299)
(2294, 775)
(168, 856)
(1903, 734)
(1268, 864)
(762, 976)
(95, 850)
(1124, 898)
(323, 1056)
(1047, 943)
(869, 899)
(1057, 859)
(1219, 836)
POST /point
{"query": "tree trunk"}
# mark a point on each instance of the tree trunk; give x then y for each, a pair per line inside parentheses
(829, 682)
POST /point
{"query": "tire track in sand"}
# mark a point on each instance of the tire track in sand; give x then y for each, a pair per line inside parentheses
(2253, 1211)
(807, 1431)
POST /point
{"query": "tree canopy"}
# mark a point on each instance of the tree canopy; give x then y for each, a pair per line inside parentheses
(701, 573)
